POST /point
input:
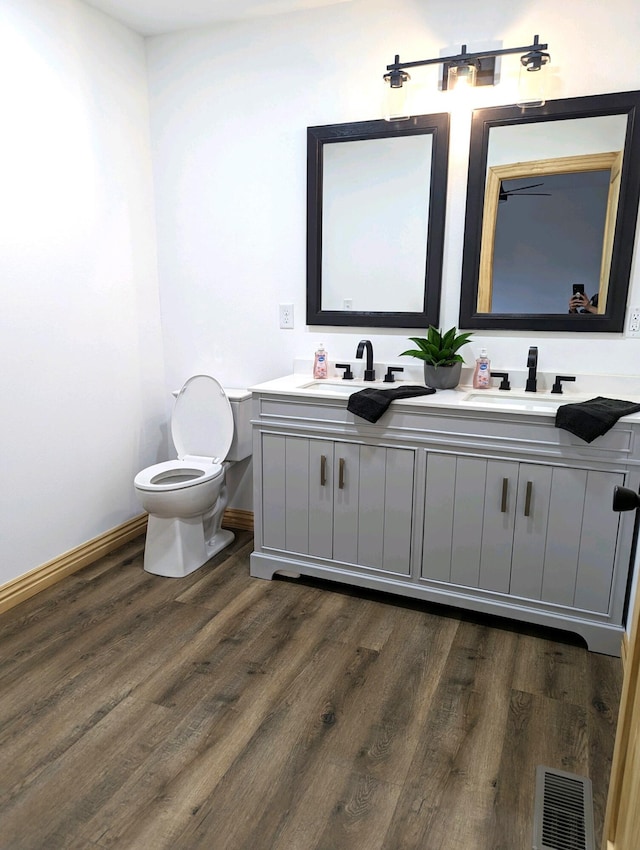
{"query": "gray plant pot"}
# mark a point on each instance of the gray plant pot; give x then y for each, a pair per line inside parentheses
(442, 377)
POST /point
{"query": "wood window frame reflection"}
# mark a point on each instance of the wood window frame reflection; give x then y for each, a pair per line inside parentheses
(608, 161)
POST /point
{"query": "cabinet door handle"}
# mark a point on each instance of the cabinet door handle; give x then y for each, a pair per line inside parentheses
(527, 498)
(341, 466)
(505, 492)
(323, 470)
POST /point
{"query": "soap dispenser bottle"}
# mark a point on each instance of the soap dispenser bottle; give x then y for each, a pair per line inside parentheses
(482, 372)
(320, 363)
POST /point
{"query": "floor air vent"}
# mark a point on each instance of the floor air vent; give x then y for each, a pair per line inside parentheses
(563, 813)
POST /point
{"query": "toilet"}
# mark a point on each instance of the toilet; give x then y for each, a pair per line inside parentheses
(186, 498)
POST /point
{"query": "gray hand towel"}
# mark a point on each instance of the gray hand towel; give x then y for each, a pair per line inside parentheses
(591, 419)
(371, 403)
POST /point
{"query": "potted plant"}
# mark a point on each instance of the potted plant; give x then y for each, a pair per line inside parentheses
(439, 351)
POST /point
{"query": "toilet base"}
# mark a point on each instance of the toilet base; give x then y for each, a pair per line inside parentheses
(176, 547)
(221, 540)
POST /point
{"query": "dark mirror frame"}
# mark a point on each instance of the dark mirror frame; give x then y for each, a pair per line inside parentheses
(612, 321)
(436, 125)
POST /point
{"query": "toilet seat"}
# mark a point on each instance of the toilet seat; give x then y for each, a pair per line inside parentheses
(177, 474)
(202, 420)
(202, 430)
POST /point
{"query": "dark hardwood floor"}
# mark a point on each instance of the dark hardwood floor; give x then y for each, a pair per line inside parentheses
(228, 713)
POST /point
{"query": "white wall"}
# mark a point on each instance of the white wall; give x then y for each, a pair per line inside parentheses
(84, 404)
(229, 110)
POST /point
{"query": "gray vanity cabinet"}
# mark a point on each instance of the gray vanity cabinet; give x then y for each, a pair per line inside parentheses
(496, 512)
(532, 531)
(338, 500)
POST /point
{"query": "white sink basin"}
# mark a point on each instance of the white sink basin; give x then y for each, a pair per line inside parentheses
(342, 387)
(515, 402)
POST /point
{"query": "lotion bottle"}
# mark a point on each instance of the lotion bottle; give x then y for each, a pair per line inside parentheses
(482, 372)
(320, 363)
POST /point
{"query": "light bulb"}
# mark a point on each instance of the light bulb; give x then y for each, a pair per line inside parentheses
(461, 77)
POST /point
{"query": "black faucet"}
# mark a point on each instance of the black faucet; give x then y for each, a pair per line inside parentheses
(369, 373)
(532, 366)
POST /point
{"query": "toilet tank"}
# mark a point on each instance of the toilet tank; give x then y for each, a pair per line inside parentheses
(241, 445)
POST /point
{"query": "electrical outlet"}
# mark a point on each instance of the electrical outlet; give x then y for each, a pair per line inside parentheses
(633, 328)
(286, 315)
(347, 304)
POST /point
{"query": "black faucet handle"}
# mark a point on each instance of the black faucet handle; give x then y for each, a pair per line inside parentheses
(389, 378)
(504, 383)
(348, 374)
(557, 387)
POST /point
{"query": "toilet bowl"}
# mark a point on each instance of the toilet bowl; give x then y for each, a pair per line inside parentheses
(185, 498)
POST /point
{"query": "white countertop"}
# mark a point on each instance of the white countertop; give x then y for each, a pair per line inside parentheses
(463, 397)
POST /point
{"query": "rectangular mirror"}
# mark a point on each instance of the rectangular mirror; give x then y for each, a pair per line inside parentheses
(375, 222)
(552, 203)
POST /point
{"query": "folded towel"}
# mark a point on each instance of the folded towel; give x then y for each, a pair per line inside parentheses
(591, 419)
(371, 403)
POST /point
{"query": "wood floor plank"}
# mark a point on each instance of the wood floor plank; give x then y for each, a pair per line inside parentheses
(196, 663)
(104, 621)
(551, 669)
(84, 777)
(229, 713)
(381, 729)
(540, 731)
(249, 795)
(373, 722)
(79, 699)
(160, 821)
(450, 787)
(26, 631)
(218, 585)
(360, 815)
(313, 718)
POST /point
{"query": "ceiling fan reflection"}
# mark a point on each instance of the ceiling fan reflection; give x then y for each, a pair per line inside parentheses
(505, 194)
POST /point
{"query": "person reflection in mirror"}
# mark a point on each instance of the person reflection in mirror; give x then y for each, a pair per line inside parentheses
(579, 303)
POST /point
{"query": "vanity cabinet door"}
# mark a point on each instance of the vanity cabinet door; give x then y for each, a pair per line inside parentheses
(297, 494)
(581, 539)
(531, 511)
(372, 506)
(565, 536)
(469, 518)
(346, 493)
(341, 501)
(528, 530)
(320, 511)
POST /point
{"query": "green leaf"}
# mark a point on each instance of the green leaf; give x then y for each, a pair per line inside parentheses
(414, 352)
(438, 348)
(448, 338)
(434, 337)
(463, 339)
(421, 343)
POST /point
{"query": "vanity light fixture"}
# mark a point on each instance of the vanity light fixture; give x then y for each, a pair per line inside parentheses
(470, 69)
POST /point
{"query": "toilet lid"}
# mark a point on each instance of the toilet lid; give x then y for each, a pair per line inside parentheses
(202, 421)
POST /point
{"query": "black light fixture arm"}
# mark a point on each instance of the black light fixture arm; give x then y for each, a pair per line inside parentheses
(469, 57)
